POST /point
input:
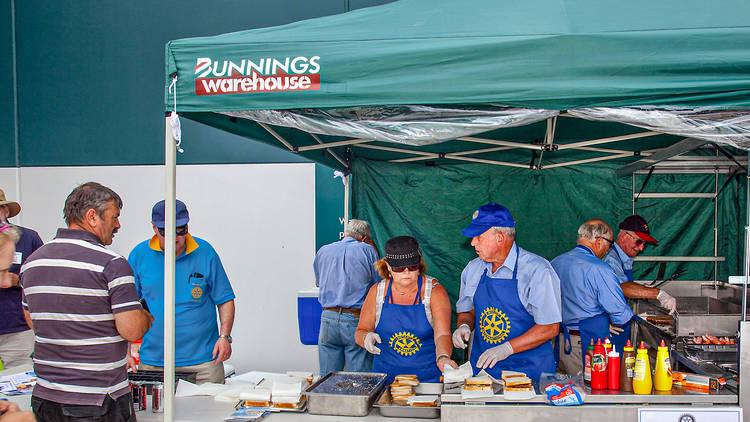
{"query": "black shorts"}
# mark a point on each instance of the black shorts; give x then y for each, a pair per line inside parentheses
(112, 410)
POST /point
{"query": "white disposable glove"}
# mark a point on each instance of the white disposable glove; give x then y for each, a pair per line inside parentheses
(492, 356)
(461, 336)
(370, 339)
(615, 330)
(667, 301)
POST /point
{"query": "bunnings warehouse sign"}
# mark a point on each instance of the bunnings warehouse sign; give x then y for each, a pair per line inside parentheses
(246, 76)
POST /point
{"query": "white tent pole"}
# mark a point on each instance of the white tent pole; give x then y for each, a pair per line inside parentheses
(333, 144)
(405, 151)
(589, 160)
(330, 151)
(607, 140)
(276, 135)
(170, 178)
(499, 142)
(461, 153)
(347, 179)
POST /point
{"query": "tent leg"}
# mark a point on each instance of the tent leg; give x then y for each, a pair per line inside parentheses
(170, 178)
(347, 179)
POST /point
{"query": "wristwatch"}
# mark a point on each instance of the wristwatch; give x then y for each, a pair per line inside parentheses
(226, 336)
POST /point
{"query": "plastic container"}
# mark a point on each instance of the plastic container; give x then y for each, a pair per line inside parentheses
(599, 367)
(308, 316)
(663, 370)
(627, 367)
(587, 363)
(642, 374)
(613, 370)
(607, 349)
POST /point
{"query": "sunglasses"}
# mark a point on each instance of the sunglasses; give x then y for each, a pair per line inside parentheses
(611, 242)
(638, 241)
(412, 268)
(179, 231)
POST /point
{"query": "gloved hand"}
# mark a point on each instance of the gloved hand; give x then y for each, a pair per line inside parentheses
(615, 330)
(461, 336)
(370, 339)
(667, 301)
(492, 356)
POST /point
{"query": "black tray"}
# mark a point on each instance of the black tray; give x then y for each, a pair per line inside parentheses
(158, 376)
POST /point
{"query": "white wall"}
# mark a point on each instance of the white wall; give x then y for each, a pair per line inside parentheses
(259, 217)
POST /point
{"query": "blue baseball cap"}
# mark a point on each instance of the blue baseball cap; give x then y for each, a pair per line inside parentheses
(486, 217)
(157, 214)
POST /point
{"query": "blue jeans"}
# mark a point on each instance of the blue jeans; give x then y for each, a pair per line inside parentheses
(336, 346)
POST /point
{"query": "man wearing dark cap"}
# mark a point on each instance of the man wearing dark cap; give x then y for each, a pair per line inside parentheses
(509, 296)
(16, 339)
(201, 286)
(631, 240)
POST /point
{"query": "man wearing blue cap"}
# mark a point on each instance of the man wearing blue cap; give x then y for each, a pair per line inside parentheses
(510, 296)
(201, 286)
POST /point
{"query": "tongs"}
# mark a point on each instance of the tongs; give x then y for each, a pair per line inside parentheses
(656, 283)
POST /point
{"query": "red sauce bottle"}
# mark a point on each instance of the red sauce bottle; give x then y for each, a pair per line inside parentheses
(598, 367)
(613, 370)
(587, 363)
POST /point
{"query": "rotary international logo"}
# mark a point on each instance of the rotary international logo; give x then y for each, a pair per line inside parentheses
(476, 214)
(404, 343)
(494, 325)
(197, 292)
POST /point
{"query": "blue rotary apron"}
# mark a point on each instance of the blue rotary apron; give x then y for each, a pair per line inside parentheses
(499, 317)
(619, 340)
(408, 343)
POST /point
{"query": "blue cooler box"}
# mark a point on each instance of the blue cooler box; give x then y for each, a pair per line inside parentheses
(308, 316)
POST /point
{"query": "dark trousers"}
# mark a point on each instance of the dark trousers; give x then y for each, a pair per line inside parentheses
(112, 410)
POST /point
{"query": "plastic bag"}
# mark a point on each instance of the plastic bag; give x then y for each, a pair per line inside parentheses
(563, 390)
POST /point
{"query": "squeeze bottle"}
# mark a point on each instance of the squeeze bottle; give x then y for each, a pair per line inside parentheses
(613, 370)
(663, 370)
(642, 375)
(607, 349)
(587, 363)
(627, 366)
(598, 367)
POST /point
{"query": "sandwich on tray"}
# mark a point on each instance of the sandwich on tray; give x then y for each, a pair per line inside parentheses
(518, 383)
(478, 383)
(256, 397)
(423, 401)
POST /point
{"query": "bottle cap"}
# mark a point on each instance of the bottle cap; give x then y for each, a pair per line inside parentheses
(642, 346)
(606, 340)
(613, 353)
(662, 344)
(591, 343)
(598, 342)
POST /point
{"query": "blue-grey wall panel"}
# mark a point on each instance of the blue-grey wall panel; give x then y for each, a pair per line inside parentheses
(91, 76)
(7, 136)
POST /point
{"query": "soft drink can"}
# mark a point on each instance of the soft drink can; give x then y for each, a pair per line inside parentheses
(157, 398)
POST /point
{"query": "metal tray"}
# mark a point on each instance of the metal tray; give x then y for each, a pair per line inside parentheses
(383, 403)
(344, 393)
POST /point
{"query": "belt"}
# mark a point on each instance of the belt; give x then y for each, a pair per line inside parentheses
(575, 332)
(353, 311)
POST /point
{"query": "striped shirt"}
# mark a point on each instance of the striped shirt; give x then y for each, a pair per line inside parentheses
(72, 287)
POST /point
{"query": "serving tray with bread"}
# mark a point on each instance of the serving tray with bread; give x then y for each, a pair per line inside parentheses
(404, 398)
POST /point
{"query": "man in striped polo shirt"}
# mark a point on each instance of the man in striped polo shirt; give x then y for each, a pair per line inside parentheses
(82, 302)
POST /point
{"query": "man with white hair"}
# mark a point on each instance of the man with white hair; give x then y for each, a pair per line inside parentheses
(510, 296)
(592, 300)
(344, 271)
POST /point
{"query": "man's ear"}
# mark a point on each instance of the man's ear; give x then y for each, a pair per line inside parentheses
(90, 216)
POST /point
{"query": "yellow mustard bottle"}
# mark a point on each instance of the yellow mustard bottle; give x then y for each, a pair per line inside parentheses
(642, 375)
(663, 370)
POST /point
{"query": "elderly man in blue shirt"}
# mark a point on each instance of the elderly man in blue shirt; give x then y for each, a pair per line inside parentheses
(510, 296)
(344, 271)
(592, 300)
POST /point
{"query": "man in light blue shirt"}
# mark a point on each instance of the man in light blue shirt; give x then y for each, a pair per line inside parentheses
(631, 241)
(510, 296)
(344, 271)
(591, 296)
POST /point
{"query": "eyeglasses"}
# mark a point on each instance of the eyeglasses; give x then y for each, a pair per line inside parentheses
(179, 231)
(611, 242)
(638, 241)
(412, 268)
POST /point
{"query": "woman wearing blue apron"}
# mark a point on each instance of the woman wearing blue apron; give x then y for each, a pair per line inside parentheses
(405, 319)
(500, 317)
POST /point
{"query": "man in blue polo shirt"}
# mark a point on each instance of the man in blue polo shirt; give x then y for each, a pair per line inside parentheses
(201, 286)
